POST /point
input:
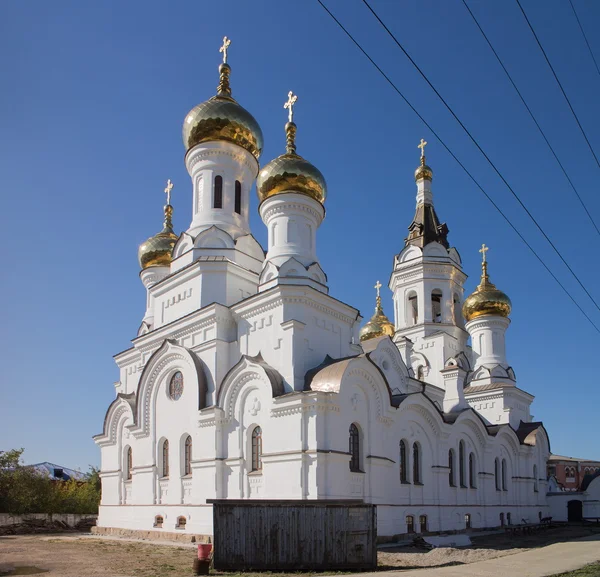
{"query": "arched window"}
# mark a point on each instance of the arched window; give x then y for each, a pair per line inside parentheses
(451, 478)
(501, 519)
(412, 308)
(508, 520)
(436, 306)
(181, 522)
(128, 464)
(410, 524)
(504, 475)
(218, 192)
(467, 520)
(354, 448)
(158, 521)
(456, 311)
(403, 463)
(257, 449)
(423, 523)
(165, 458)
(472, 470)
(187, 456)
(238, 197)
(417, 465)
(421, 373)
(535, 479)
(497, 474)
(461, 463)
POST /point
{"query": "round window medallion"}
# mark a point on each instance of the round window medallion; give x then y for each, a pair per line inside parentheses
(176, 386)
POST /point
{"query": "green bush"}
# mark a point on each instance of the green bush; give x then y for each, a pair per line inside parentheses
(24, 490)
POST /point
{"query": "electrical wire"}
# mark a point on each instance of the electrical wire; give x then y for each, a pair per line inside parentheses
(559, 84)
(584, 36)
(515, 195)
(532, 116)
(441, 141)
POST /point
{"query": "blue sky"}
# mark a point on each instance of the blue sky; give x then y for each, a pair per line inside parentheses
(94, 95)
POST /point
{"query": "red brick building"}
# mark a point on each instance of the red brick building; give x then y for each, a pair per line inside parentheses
(570, 471)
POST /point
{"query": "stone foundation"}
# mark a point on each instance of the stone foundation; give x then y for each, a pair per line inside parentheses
(152, 535)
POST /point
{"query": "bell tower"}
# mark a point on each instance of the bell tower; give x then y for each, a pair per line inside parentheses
(427, 284)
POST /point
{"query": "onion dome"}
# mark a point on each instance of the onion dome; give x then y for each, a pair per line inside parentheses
(290, 172)
(379, 325)
(158, 249)
(222, 118)
(486, 299)
(423, 171)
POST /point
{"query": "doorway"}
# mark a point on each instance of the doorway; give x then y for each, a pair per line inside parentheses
(575, 510)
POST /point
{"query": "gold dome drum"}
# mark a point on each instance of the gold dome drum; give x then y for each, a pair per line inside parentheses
(490, 301)
(222, 118)
(157, 250)
(291, 173)
(423, 172)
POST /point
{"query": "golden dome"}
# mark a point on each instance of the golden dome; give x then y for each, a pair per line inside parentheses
(290, 172)
(158, 249)
(423, 171)
(222, 118)
(379, 325)
(486, 298)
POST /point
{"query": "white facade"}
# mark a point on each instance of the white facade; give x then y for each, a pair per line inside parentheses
(259, 342)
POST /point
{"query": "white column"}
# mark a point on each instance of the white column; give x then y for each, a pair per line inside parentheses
(150, 277)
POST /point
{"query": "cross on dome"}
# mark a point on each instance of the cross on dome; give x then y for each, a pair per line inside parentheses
(377, 286)
(289, 105)
(223, 49)
(422, 146)
(168, 190)
(483, 250)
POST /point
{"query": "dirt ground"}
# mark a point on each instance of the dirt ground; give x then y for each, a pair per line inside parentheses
(84, 556)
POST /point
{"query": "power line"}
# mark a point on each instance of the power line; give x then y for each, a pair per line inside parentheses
(559, 84)
(532, 116)
(585, 37)
(397, 90)
(449, 108)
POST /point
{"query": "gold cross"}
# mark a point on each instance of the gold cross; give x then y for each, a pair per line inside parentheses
(168, 190)
(483, 250)
(377, 286)
(422, 147)
(223, 49)
(290, 104)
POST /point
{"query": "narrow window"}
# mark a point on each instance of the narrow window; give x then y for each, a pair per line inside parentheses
(436, 306)
(238, 197)
(423, 523)
(187, 456)
(129, 464)
(421, 373)
(467, 520)
(416, 464)
(471, 470)
(540, 515)
(535, 479)
(451, 479)
(403, 464)
(181, 522)
(165, 458)
(497, 474)
(504, 475)
(461, 463)
(257, 449)
(413, 309)
(158, 521)
(456, 312)
(501, 519)
(218, 192)
(354, 449)
(410, 524)
(508, 520)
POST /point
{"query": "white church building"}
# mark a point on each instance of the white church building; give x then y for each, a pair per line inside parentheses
(247, 379)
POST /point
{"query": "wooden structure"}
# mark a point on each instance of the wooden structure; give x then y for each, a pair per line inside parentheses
(271, 535)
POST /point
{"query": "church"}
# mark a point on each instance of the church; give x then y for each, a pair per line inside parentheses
(248, 380)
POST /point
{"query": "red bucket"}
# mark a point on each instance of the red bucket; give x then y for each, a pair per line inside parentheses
(204, 550)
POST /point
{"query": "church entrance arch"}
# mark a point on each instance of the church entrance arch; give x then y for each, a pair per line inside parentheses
(575, 510)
